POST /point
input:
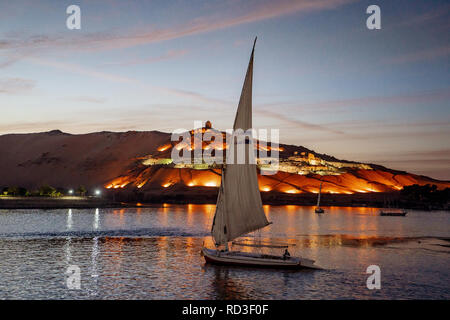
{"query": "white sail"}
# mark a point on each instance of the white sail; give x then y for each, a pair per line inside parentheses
(239, 207)
(318, 197)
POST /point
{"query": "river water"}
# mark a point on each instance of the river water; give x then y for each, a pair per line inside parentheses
(154, 253)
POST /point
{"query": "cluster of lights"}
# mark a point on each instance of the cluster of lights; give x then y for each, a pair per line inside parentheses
(210, 184)
(183, 145)
(97, 192)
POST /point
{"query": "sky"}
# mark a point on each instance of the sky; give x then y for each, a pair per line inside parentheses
(321, 76)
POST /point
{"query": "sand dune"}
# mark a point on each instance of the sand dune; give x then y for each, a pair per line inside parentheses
(66, 160)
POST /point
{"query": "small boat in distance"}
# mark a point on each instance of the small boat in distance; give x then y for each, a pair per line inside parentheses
(239, 207)
(318, 208)
(388, 211)
(393, 212)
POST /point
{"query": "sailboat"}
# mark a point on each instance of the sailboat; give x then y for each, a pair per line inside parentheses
(239, 207)
(389, 211)
(318, 208)
(393, 212)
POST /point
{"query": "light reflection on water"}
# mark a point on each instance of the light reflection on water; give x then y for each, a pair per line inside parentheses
(153, 253)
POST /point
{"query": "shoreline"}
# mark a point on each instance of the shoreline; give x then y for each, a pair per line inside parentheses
(330, 200)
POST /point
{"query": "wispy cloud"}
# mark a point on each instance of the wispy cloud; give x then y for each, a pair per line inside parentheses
(295, 122)
(88, 99)
(103, 41)
(16, 85)
(435, 15)
(422, 55)
(31, 126)
(398, 99)
(387, 125)
(171, 54)
(78, 69)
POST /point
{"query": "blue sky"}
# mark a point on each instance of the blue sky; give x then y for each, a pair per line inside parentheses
(321, 77)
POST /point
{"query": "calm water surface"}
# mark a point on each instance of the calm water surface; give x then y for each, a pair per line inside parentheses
(154, 253)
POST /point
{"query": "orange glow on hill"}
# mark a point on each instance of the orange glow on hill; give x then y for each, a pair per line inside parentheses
(270, 148)
(164, 147)
(358, 181)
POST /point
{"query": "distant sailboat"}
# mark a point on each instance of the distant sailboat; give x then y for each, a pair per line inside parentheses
(239, 207)
(318, 208)
(391, 212)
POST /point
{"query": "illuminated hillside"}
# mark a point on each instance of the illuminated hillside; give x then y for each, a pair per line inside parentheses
(300, 171)
(141, 162)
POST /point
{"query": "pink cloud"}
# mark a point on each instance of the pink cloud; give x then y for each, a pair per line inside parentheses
(422, 55)
(259, 12)
(418, 97)
(16, 85)
(77, 69)
(171, 54)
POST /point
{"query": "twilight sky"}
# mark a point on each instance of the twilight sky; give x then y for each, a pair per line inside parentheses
(321, 77)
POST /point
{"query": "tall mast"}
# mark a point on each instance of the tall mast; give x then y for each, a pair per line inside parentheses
(239, 207)
(320, 191)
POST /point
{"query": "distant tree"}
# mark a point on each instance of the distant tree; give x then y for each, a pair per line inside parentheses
(426, 194)
(23, 192)
(61, 191)
(81, 190)
(13, 191)
(5, 191)
(47, 190)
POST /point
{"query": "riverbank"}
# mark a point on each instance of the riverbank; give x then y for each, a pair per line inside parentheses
(375, 200)
(56, 203)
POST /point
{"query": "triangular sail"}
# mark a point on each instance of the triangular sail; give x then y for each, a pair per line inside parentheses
(239, 207)
(318, 197)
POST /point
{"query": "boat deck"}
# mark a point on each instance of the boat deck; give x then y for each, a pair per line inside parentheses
(239, 258)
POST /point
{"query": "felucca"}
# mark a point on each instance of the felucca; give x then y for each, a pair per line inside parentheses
(318, 208)
(239, 207)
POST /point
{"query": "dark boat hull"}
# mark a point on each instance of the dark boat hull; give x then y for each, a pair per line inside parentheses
(255, 261)
(388, 214)
(393, 213)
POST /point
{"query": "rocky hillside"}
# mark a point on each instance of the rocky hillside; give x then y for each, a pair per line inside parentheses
(141, 161)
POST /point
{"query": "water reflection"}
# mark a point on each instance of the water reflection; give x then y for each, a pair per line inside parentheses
(93, 288)
(69, 220)
(153, 253)
(96, 219)
(224, 287)
(67, 251)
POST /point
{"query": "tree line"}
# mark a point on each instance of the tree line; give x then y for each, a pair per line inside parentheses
(427, 195)
(43, 191)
